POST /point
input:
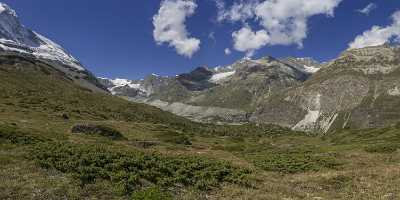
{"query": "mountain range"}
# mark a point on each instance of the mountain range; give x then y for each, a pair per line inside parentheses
(356, 90)
(359, 89)
(227, 94)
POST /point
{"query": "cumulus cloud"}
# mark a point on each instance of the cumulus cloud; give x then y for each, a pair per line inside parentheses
(227, 51)
(367, 9)
(247, 40)
(284, 22)
(378, 35)
(169, 26)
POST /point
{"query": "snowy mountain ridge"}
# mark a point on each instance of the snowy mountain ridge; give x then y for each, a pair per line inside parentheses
(219, 74)
(16, 39)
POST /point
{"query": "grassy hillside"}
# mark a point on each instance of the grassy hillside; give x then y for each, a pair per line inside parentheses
(59, 141)
(31, 86)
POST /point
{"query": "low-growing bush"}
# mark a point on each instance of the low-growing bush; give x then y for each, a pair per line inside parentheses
(382, 148)
(131, 170)
(101, 130)
(174, 137)
(295, 162)
(15, 136)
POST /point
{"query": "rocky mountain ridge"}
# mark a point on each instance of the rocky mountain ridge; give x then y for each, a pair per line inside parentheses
(221, 94)
(357, 90)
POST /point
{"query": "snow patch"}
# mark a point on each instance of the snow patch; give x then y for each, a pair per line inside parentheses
(311, 69)
(220, 68)
(119, 82)
(2, 8)
(6, 8)
(221, 76)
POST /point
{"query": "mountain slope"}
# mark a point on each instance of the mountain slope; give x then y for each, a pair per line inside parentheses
(15, 39)
(360, 89)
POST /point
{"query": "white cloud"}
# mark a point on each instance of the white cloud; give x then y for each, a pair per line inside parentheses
(367, 9)
(284, 22)
(246, 40)
(239, 11)
(378, 35)
(227, 51)
(169, 26)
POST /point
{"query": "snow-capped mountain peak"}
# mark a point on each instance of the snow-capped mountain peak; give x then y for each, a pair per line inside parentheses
(14, 37)
(17, 40)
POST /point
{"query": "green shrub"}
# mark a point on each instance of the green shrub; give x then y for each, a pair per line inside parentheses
(296, 162)
(14, 136)
(130, 170)
(101, 130)
(382, 148)
(174, 137)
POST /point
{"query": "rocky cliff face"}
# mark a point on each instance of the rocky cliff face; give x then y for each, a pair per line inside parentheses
(360, 89)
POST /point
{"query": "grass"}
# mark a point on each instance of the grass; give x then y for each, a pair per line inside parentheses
(270, 166)
(151, 194)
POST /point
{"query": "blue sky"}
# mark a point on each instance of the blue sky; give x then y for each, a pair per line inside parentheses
(115, 38)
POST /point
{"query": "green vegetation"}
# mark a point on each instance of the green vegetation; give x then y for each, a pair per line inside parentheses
(296, 163)
(174, 137)
(129, 170)
(14, 136)
(383, 148)
(100, 130)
